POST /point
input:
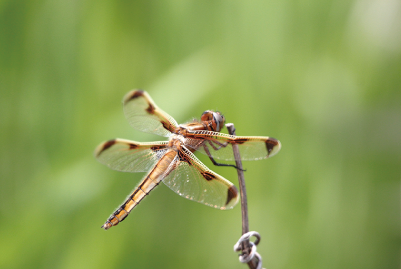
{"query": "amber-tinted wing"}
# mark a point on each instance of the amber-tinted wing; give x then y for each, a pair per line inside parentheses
(191, 179)
(218, 145)
(144, 115)
(130, 156)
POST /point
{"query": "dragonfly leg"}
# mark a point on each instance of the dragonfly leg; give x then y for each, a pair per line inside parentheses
(221, 145)
(216, 163)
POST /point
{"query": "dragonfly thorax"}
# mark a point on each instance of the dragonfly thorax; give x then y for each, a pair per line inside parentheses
(176, 140)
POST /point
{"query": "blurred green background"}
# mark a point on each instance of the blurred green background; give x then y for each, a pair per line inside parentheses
(323, 77)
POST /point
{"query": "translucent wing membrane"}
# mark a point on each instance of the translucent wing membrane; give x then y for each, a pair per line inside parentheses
(143, 114)
(191, 179)
(130, 156)
(218, 145)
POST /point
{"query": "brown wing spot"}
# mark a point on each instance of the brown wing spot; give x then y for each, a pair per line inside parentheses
(166, 125)
(134, 94)
(240, 140)
(184, 157)
(154, 148)
(107, 145)
(151, 109)
(132, 146)
(208, 176)
(232, 193)
(270, 144)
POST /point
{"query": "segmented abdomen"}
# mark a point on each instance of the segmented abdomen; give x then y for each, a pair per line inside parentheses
(151, 180)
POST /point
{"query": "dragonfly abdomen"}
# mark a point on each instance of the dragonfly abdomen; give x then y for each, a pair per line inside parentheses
(151, 180)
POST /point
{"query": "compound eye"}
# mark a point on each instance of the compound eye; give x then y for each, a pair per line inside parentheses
(207, 115)
(218, 117)
(219, 120)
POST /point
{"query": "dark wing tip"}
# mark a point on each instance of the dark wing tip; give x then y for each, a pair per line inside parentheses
(132, 95)
(105, 145)
(232, 194)
(273, 146)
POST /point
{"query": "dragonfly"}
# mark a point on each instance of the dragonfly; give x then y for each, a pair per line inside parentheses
(173, 162)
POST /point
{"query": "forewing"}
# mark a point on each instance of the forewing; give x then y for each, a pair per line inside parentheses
(130, 156)
(219, 145)
(143, 114)
(191, 179)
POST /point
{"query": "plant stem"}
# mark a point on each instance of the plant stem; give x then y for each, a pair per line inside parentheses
(244, 204)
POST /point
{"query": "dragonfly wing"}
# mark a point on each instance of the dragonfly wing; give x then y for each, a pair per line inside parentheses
(191, 179)
(144, 115)
(130, 156)
(219, 145)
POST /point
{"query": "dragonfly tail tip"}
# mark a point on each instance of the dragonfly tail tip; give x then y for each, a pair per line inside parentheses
(106, 226)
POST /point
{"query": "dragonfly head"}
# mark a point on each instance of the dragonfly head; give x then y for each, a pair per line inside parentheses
(215, 120)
